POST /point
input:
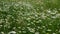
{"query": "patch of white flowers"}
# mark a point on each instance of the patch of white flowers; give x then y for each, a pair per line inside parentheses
(31, 29)
(49, 30)
(2, 33)
(25, 17)
(12, 32)
(37, 33)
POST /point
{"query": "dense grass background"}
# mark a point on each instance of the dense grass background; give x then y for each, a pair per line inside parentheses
(30, 16)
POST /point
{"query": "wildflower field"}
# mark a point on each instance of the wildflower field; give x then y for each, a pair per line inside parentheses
(29, 16)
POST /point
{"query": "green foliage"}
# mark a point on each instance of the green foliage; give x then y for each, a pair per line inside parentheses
(30, 16)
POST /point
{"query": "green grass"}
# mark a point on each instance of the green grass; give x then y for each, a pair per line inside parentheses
(30, 16)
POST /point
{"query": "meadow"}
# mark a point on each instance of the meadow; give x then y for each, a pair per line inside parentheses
(29, 16)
